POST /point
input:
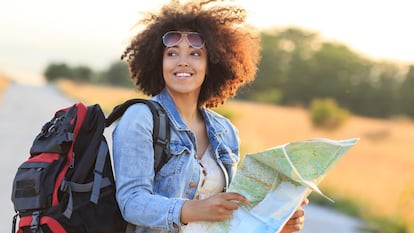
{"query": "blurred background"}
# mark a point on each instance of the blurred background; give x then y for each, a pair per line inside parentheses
(335, 69)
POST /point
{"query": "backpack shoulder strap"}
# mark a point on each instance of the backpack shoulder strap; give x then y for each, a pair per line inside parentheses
(161, 131)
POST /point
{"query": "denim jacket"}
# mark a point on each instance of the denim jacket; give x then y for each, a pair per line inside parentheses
(152, 202)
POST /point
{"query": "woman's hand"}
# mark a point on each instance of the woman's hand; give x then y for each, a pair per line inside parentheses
(218, 207)
(295, 223)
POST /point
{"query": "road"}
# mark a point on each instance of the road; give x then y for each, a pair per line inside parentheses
(25, 108)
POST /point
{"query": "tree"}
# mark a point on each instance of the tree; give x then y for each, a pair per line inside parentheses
(117, 74)
(385, 92)
(336, 71)
(82, 73)
(407, 93)
(284, 62)
(299, 85)
(55, 71)
(272, 71)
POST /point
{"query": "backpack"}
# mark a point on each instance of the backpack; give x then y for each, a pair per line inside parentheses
(67, 183)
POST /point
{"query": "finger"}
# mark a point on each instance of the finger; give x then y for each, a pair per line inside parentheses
(305, 202)
(298, 221)
(300, 212)
(236, 197)
(295, 224)
(224, 211)
(294, 220)
(230, 206)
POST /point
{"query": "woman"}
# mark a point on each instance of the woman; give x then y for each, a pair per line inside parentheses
(189, 57)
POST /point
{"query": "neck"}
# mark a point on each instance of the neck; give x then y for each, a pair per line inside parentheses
(187, 107)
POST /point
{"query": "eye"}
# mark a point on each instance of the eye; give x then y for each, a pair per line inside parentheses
(197, 54)
(172, 53)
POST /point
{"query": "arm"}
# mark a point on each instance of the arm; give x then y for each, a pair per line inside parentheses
(134, 171)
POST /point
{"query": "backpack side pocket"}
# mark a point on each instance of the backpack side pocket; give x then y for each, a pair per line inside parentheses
(34, 182)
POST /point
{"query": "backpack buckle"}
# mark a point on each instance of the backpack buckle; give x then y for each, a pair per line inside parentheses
(64, 186)
(34, 225)
(161, 142)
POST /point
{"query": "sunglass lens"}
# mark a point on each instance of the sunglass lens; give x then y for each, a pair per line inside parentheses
(171, 39)
(195, 40)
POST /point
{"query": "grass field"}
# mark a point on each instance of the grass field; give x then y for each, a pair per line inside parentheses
(377, 175)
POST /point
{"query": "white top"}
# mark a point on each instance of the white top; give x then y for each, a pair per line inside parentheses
(211, 182)
(212, 178)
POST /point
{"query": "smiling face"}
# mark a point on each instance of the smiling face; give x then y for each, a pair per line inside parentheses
(184, 69)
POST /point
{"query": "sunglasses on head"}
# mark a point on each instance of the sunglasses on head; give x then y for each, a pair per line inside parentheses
(173, 38)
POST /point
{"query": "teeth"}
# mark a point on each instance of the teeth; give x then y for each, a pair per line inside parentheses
(183, 74)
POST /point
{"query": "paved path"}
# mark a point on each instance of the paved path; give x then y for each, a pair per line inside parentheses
(322, 220)
(23, 111)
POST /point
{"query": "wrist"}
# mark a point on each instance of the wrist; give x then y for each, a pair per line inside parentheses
(187, 212)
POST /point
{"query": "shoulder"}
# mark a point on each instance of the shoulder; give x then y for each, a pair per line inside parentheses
(136, 115)
(138, 108)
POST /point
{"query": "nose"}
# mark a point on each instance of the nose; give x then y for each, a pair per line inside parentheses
(183, 55)
(183, 59)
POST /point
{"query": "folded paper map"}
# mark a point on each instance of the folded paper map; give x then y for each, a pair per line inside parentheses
(276, 181)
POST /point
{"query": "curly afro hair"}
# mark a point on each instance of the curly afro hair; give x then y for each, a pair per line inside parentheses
(233, 47)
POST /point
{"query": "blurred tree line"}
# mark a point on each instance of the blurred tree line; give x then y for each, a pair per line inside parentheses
(117, 74)
(298, 67)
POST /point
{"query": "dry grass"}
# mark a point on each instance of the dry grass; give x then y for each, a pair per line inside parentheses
(107, 97)
(4, 82)
(378, 172)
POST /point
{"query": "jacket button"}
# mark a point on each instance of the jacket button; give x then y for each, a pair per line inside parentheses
(191, 185)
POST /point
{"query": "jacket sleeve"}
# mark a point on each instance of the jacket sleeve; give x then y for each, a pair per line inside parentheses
(133, 157)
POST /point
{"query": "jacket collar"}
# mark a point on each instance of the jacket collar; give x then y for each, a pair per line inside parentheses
(213, 126)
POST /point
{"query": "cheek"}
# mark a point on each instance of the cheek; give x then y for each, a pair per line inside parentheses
(167, 64)
(201, 65)
(205, 67)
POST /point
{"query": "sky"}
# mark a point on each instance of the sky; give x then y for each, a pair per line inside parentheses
(94, 33)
